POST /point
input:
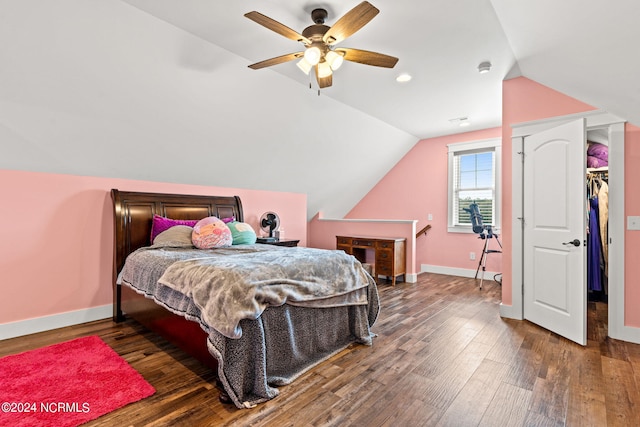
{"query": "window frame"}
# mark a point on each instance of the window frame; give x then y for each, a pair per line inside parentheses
(471, 147)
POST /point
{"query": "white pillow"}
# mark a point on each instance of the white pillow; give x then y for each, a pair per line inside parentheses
(176, 236)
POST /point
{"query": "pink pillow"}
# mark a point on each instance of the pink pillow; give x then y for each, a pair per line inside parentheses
(211, 232)
(161, 224)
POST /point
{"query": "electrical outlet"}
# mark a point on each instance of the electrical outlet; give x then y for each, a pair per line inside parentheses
(472, 255)
(430, 217)
(633, 223)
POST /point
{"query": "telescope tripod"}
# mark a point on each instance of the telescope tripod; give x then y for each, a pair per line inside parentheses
(485, 251)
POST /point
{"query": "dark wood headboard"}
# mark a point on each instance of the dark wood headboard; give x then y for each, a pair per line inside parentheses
(133, 213)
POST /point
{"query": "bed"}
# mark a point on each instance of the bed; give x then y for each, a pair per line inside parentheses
(261, 350)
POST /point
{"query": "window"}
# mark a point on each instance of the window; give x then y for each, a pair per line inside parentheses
(474, 177)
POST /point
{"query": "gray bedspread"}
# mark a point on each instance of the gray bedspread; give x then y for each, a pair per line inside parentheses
(294, 307)
(229, 285)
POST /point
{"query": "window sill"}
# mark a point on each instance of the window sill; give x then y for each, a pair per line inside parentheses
(469, 230)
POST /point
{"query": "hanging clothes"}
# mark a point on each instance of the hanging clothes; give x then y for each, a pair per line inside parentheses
(594, 248)
(603, 219)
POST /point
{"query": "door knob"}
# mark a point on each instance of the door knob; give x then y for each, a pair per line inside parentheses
(574, 242)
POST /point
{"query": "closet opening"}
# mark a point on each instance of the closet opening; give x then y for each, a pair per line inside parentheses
(597, 220)
(520, 296)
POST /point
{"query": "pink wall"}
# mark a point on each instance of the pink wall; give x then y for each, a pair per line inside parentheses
(323, 232)
(631, 238)
(416, 187)
(57, 237)
(525, 100)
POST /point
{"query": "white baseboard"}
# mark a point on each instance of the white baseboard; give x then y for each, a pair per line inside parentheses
(409, 278)
(55, 321)
(454, 271)
(627, 333)
(508, 311)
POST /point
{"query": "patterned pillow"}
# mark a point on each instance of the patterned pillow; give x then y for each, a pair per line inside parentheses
(242, 233)
(210, 233)
(161, 224)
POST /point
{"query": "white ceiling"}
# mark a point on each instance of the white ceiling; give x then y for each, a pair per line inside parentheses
(159, 90)
(584, 48)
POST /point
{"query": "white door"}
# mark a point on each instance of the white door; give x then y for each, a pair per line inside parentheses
(554, 198)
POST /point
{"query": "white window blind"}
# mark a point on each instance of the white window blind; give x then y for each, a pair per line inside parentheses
(473, 178)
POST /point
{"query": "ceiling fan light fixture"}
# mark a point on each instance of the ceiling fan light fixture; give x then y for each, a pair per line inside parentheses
(334, 59)
(312, 55)
(304, 66)
(403, 78)
(324, 69)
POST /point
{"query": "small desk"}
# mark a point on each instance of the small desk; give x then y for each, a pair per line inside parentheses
(390, 259)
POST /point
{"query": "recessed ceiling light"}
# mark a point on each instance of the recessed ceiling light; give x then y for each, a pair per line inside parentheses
(484, 67)
(403, 78)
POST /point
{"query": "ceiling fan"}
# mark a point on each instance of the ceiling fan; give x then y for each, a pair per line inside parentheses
(319, 41)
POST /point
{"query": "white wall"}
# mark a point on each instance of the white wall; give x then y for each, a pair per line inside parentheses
(99, 88)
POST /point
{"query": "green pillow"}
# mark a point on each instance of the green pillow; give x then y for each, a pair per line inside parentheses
(242, 233)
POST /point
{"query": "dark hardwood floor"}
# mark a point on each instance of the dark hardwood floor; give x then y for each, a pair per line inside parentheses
(443, 356)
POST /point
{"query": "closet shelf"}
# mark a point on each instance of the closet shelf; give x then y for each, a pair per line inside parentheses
(601, 169)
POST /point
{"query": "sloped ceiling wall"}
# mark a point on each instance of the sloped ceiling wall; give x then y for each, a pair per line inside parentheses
(584, 49)
(102, 89)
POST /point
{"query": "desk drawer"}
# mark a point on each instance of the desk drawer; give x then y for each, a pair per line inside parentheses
(363, 243)
(384, 255)
(344, 240)
(385, 244)
(384, 268)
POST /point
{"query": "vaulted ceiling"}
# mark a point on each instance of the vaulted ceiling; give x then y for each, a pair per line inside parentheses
(584, 48)
(160, 89)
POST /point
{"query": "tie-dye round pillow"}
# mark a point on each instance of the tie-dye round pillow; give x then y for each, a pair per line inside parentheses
(210, 233)
(242, 233)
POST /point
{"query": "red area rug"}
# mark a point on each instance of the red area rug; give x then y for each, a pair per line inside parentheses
(67, 384)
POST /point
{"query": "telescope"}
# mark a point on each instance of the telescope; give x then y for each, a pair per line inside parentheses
(476, 222)
(486, 233)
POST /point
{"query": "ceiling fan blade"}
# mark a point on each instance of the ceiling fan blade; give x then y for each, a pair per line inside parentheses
(368, 58)
(323, 81)
(351, 22)
(279, 28)
(277, 60)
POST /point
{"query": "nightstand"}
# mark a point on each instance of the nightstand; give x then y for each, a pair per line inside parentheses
(284, 242)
